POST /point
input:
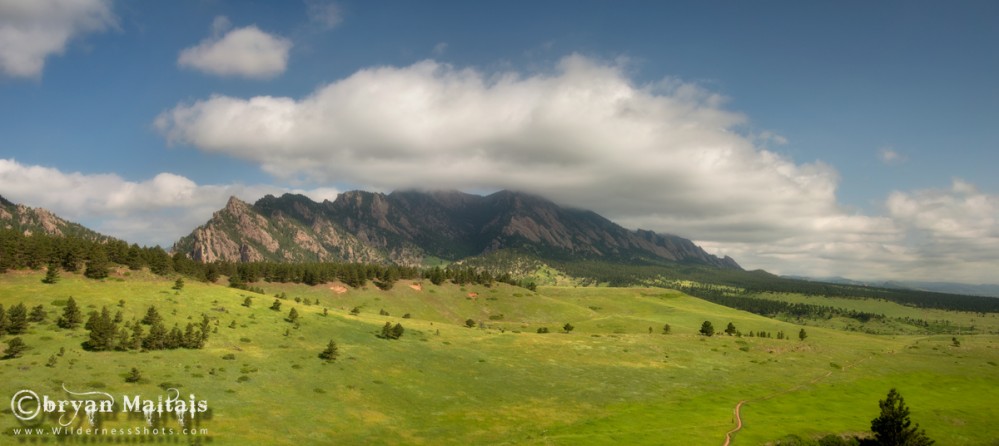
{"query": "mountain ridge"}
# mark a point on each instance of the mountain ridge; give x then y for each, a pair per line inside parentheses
(411, 227)
(29, 220)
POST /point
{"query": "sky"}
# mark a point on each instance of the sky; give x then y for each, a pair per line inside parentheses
(855, 139)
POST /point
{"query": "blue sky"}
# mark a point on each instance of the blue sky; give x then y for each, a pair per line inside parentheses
(847, 138)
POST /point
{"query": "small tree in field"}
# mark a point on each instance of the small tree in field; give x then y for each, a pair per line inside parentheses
(730, 329)
(469, 323)
(134, 376)
(331, 352)
(179, 284)
(71, 315)
(567, 327)
(707, 329)
(52, 274)
(15, 348)
(276, 306)
(893, 427)
(293, 315)
(666, 329)
(802, 335)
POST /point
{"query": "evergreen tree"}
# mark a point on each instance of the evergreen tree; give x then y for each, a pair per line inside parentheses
(152, 316)
(567, 327)
(192, 338)
(135, 342)
(666, 329)
(247, 302)
(707, 329)
(730, 329)
(469, 323)
(175, 339)
(397, 331)
(71, 315)
(802, 335)
(387, 331)
(52, 274)
(17, 319)
(4, 322)
(276, 306)
(133, 376)
(331, 352)
(97, 265)
(52, 361)
(38, 314)
(179, 284)
(292, 315)
(15, 347)
(893, 427)
(103, 331)
(157, 337)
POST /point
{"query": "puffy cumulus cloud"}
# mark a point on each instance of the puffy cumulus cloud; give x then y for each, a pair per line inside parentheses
(666, 155)
(32, 30)
(247, 52)
(661, 155)
(158, 210)
(955, 229)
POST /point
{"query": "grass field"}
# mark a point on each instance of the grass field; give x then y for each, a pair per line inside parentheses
(609, 381)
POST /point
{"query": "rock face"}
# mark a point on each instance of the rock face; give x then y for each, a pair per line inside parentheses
(29, 221)
(406, 227)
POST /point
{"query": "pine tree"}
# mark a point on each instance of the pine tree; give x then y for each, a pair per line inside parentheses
(52, 274)
(893, 427)
(247, 302)
(4, 321)
(133, 376)
(71, 315)
(292, 315)
(15, 347)
(666, 329)
(276, 306)
(135, 342)
(97, 266)
(103, 331)
(17, 319)
(156, 339)
(397, 331)
(730, 329)
(331, 352)
(179, 284)
(38, 314)
(707, 329)
(387, 331)
(152, 316)
(175, 339)
(469, 323)
(567, 327)
(802, 335)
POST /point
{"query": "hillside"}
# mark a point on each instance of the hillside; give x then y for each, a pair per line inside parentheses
(608, 381)
(413, 228)
(28, 220)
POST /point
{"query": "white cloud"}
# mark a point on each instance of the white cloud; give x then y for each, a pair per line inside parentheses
(325, 13)
(663, 156)
(32, 30)
(889, 156)
(247, 52)
(158, 210)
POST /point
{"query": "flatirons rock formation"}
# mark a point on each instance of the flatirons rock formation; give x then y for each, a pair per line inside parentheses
(408, 227)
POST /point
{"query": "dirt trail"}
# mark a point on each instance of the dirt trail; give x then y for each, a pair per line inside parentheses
(738, 416)
(738, 427)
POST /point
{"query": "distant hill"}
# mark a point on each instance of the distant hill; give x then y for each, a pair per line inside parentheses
(418, 228)
(987, 290)
(28, 220)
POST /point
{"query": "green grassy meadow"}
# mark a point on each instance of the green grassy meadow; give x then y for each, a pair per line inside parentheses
(609, 381)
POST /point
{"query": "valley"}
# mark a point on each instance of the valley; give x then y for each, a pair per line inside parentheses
(614, 378)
